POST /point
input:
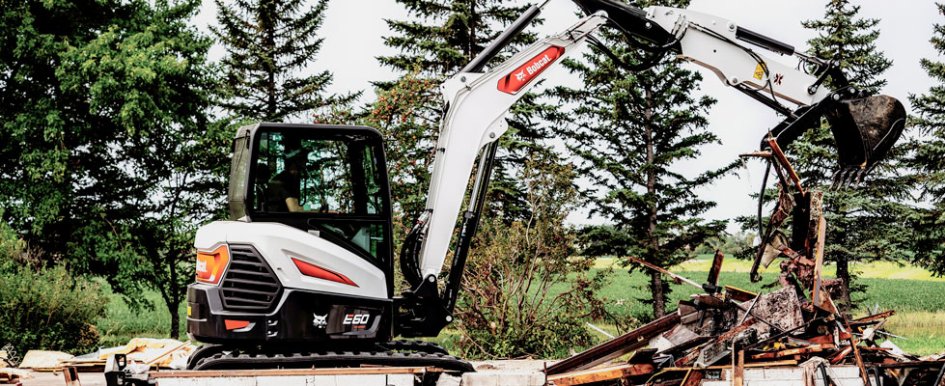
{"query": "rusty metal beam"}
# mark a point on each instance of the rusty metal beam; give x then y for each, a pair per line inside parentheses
(614, 348)
(782, 159)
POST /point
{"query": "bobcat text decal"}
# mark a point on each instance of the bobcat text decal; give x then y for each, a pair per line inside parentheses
(514, 81)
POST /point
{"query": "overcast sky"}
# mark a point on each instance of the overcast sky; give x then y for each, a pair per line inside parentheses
(354, 31)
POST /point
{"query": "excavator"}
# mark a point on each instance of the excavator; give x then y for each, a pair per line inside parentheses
(302, 274)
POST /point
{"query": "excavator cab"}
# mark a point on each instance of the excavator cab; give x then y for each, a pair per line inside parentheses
(330, 181)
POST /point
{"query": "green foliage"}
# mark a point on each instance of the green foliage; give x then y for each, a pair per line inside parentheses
(48, 309)
(866, 222)
(52, 147)
(400, 113)
(440, 38)
(268, 42)
(928, 159)
(128, 152)
(508, 308)
(629, 130)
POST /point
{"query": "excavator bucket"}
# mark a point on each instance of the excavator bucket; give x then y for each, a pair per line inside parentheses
(865, 129)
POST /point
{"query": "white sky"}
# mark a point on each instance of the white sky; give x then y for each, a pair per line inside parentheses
(354, 31)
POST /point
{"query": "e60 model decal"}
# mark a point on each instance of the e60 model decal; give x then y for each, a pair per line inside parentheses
(356, 321)
(514, 81)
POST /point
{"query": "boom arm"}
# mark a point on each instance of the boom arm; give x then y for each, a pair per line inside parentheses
(479, 101)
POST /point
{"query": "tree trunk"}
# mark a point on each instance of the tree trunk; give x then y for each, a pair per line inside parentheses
(656, 281)
(659, 297)
(173, 307)
(173, 300)
(843, 273)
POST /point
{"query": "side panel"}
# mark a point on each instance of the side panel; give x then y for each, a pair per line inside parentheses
(279, 244)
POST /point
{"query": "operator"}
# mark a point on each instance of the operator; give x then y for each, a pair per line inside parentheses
(282, 194)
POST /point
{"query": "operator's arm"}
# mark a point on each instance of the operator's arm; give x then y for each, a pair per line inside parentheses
(293, 204)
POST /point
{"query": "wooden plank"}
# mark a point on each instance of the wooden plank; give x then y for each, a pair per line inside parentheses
(292, 372)
(601, 374)
(818, 297)
(794, 351)
(713, 279)
(738, 294)
(678, 278)
(738, 369)
(693, 378)
(615, 347)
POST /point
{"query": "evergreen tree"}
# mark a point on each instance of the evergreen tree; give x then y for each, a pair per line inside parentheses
(628, 130)
(269, 43)
(863, 222)
(440, 38)
(929, 159)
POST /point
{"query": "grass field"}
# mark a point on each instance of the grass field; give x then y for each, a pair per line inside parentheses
(917, 297)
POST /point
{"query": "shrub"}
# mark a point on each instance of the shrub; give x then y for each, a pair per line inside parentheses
(48, 309)
(523, 293)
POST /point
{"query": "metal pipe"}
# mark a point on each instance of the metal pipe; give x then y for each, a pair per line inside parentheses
(493, 49)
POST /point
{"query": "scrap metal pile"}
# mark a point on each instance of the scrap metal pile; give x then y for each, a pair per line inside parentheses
(719, 335)
(731, 336)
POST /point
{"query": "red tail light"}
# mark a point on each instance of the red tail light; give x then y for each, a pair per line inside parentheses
(315, 271)
(211, 265)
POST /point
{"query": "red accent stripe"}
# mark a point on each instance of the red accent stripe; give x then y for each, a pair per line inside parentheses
(235, 324)
(524, 74)
(312, 270)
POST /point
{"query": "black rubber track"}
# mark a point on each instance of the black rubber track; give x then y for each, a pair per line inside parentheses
(238, 359)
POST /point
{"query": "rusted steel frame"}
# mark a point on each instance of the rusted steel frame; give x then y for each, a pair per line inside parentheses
(666, 272)
(782, 159)
(859, 361)
(841, 355)
(615, 347)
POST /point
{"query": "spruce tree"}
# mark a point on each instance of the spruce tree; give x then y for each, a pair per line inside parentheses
(627, 131)
(866, 222)
(928, 159)
(269, 43)
(438, 39)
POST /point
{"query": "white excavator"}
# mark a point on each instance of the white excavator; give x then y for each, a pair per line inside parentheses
(302, 274)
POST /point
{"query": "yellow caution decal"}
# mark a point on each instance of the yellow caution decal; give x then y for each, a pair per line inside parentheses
(759, 72)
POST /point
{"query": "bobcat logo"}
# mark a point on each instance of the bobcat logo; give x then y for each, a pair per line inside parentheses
(320, 321)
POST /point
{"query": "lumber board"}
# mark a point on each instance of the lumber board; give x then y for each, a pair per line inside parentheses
(601, 374)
